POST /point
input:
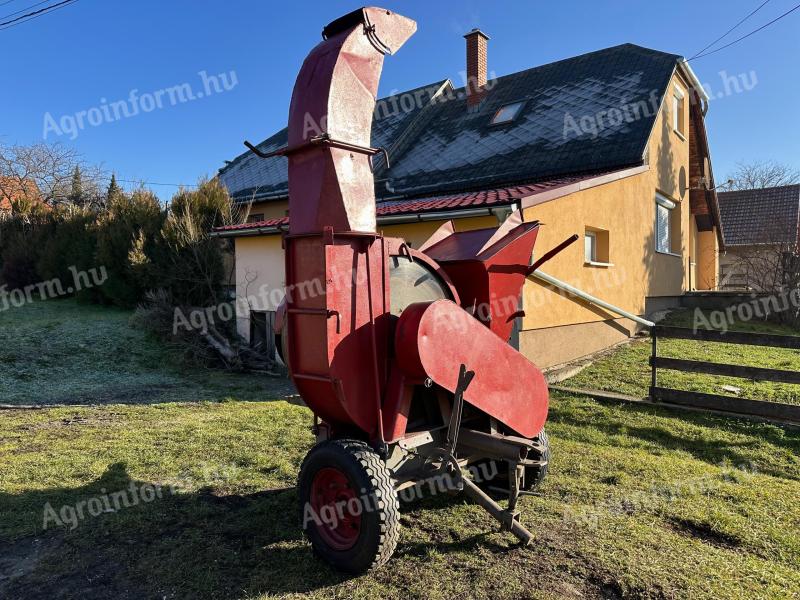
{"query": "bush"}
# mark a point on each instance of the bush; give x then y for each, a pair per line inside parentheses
(126, 243)
(19, 261)
(72, 244)
(192, 263)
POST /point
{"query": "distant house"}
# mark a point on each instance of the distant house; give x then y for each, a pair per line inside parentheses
(610, 145)
(13, 190)
(761, 235)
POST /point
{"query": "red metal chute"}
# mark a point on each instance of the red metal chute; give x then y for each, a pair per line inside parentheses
(385, 344)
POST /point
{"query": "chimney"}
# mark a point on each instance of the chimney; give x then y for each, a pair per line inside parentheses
(477, 41)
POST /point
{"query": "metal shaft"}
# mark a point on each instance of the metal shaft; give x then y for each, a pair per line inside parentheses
(494, 509)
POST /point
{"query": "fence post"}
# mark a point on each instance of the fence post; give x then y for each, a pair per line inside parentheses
(653, 377)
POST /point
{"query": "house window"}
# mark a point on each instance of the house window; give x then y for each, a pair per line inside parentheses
(668, 233)
(679, 111)
(595, 247)
(590, 246)
(507, 113)
(256, 218)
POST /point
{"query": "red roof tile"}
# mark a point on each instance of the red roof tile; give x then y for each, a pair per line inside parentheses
(488, 198)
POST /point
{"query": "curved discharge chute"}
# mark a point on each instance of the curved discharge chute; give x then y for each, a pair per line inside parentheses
(338, 313)
(387, 344)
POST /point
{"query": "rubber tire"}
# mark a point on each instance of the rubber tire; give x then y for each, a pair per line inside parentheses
(535, 475)
(380, 528)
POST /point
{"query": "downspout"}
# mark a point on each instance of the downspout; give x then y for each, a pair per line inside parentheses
(591, 299)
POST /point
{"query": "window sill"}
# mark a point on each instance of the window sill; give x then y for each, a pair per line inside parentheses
(679, 134)
(594, 263)
(674, 254)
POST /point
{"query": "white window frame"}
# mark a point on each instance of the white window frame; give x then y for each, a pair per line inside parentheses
(590, 247)
(678, 110)
(664, 203)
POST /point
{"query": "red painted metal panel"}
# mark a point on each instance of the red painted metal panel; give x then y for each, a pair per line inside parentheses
(338, 328)
(489, 282)
(435, 339)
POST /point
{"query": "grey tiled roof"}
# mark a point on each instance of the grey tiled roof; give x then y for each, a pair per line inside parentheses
(249, 175)
(451, 148)
(461, 149)
(768, 215)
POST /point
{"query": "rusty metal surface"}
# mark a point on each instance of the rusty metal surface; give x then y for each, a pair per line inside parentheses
(337, 308)
(335, 94)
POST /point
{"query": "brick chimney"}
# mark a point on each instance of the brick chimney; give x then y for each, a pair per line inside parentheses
(477, 42)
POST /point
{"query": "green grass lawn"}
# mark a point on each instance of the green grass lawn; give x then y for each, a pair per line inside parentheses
(626, 370)
(641, 502)
(61, 352)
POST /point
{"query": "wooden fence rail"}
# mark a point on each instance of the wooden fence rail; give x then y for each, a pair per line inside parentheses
(746, 406)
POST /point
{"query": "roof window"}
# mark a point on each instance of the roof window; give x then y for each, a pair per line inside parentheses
(507, 113)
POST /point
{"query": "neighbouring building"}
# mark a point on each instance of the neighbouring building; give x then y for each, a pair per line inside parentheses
(12, 190)
(761, 237)
(610, 145)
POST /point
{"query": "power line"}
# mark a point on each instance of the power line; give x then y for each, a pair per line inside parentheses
(776, 19)
(138, 182)
(6, 2)
(35, 14)
(22, 10)
(724, 35)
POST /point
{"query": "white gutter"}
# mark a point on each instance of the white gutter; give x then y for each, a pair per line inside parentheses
(591, 299)
(694, 80)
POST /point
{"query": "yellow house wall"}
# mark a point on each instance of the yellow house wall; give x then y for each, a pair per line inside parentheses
(417, 233)
(260, 274)
(270, 210)
(707, 260)
(626, 209)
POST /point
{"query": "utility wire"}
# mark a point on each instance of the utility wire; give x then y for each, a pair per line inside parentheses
(6, 2)
(724, 35)
(137, 182)
(22, 10)
(34, 14)
(728, 45)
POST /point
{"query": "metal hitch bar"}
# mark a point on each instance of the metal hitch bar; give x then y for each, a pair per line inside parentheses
(507, 518)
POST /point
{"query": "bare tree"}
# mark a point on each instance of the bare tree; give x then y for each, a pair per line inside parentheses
(762, 174)
(44, 173)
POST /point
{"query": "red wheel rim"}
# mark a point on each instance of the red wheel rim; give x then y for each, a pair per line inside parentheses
(337, 508)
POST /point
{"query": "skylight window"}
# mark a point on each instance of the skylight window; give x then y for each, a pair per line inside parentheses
(507, 113)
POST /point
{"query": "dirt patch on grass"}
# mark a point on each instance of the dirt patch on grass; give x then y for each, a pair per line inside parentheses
(100, 419)
(705, 533)
(145, 394)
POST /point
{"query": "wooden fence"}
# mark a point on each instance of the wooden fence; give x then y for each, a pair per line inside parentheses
(745, 406)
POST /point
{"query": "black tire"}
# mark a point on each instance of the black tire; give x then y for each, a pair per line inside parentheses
(535, 475)
(378, 530)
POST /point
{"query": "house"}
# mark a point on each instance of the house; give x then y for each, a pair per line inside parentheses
(610, 145)
(761, 237)
(14, 190)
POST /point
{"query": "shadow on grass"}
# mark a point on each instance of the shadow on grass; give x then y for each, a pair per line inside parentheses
(175, 545)
(172, 544)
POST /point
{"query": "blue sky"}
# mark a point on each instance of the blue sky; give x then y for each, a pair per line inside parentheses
(96, 52)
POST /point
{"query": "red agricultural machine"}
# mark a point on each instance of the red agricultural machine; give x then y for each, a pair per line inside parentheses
(401, 353)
